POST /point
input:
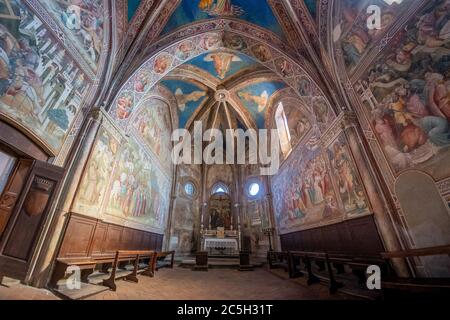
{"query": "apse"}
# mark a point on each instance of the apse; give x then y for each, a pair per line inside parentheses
(348, 101)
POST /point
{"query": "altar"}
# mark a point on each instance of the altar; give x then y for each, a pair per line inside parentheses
(220, 237)
(226, 244)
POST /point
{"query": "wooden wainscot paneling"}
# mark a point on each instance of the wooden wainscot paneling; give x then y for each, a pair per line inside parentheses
(357, 236)
(154, 242)
(127, 239)
(99, 239)
(86, 237)
(138, 237)
(78, 239)
(113, 239)
(147, 240)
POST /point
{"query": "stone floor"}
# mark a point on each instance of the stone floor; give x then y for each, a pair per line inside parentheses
(184, 284)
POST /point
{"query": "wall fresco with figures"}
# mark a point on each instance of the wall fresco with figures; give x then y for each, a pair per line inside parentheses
(96, 178)
(296, 119)
(139, 191)
(324, 187)
(152, 128)
(41, 87)
(123, 183)
(353, 32)
(347, 179)
(409, 86)
(83, 22)
(309, 199)
(185, 234)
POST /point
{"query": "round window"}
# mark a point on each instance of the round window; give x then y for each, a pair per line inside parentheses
(189, 188)
(253, 189)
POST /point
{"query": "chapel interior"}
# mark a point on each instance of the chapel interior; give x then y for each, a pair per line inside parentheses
(356, 95)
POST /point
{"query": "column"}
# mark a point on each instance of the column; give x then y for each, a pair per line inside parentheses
(237, 209)
(380, 207)
(40, 274)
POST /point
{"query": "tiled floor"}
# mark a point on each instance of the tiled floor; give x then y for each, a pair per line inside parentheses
(184, 284)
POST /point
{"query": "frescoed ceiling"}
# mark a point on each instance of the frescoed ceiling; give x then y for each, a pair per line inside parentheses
(133, 5)
(231, 71)
(312, 7)
(189, 96)
(222, 64)
(254, 11)
(255, 98)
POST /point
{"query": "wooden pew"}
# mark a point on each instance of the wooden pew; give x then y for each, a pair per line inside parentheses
(87, 266)
(161, 261)
(357, 264)
(278, 260)
(418, 285)
(321, 259)
(135, 256)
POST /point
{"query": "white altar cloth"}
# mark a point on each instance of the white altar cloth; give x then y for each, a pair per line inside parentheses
(212, 243)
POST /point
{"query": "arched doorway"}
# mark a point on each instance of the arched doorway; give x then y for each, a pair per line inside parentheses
(427, 218)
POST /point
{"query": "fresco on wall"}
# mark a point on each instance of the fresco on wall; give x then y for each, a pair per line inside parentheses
(139, 192)
(189, 97)
(309, 198)
(83, 22)
(356, 37)
(98, 170)
(351, 189)
(153, 125)
(186, 211)
(409, 94)
(41, 88)
(222, 64)
(256, 97)
(297, 122)
(253, 11)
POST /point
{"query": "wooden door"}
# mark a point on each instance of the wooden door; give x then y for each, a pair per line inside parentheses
(11, 191)
(28, 218)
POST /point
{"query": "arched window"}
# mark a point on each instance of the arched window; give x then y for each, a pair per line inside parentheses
(283, 129)
(220, 188)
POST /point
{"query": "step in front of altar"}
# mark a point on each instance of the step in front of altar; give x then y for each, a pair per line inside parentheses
(219, 263)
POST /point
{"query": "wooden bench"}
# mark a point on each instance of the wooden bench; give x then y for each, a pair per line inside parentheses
(135, 256)
(321, 259)
(332, 264)
(278, 260)
(162, 262)
(358, 265)
(87, 265)
(418, 285)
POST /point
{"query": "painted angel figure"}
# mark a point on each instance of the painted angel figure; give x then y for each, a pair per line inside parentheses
(218, 7)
